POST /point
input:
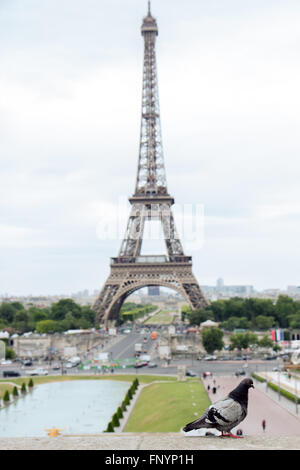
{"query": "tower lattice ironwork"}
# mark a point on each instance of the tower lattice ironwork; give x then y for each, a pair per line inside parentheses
(151, 201)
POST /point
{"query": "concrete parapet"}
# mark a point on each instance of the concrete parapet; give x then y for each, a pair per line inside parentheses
(150, 441)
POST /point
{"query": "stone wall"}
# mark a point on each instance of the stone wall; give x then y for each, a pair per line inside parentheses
(151, 441)
(37, 346)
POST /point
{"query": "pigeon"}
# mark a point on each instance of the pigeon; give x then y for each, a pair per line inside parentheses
(227, 413)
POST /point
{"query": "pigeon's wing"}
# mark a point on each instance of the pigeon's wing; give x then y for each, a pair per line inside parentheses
(225, 413)
(199, 423)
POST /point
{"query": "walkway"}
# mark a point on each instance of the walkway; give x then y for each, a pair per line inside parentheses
(280, 420)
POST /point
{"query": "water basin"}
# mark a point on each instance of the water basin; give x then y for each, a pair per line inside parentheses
(77, 407)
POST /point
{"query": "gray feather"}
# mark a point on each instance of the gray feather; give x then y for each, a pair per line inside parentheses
(225, 414)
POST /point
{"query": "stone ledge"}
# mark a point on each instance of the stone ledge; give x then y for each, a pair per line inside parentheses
(150, 441)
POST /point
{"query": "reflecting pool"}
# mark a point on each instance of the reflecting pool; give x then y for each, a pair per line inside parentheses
(77, 407)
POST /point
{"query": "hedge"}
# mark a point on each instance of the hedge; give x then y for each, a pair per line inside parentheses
(290, 396)
(114, 423)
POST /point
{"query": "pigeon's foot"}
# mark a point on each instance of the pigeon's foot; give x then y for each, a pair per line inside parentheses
(229, 434)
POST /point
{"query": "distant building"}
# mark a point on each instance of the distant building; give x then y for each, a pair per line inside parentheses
(220, 283)
(220, 290)
(293, 290)
(153, 290)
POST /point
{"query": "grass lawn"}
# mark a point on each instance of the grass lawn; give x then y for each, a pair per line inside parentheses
(143, 379)
(162, 317)
(4, 387)
(167, 407)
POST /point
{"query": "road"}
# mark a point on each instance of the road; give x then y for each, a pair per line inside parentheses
(124, 348)
(279, 417)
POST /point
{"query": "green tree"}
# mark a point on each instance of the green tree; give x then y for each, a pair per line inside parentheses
(263, 322)
(37, 314)
(199, 315)
(88, 314)
(219, 310)
(60, 309)
(119, 413)
(17, 305)
(242, 340)
(30, 383)
(115, 421)
(15, 392)
(285, 308)
(185, 311)
(294, 320)
(6, 397)
(212, 339)
(46, 326)
(110, 427)
(21, 321)
(7, 312)
(126, 400)
(265, 342)
(235, 322)
(10, 353)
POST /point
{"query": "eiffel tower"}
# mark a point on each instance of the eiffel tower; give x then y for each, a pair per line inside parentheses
(130, 270)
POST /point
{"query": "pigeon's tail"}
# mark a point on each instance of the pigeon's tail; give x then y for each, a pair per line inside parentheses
(197, 424)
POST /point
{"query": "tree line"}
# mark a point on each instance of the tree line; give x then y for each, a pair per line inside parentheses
(131, 311)
(212, 340)
(248, 314)
(60, 316)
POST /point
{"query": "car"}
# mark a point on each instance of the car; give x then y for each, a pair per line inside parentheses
(209, 358)
(152, 364)
(37, 372)
(27, 363)
(190, 373)
(138, 365)
(240, 372)
(11, 373)
(206, 374)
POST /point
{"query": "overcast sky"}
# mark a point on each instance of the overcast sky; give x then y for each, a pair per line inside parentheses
(70, 103)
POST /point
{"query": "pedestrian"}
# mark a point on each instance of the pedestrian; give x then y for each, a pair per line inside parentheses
(263, 423)
(239, 432)
(214, 390)
(208, 388)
